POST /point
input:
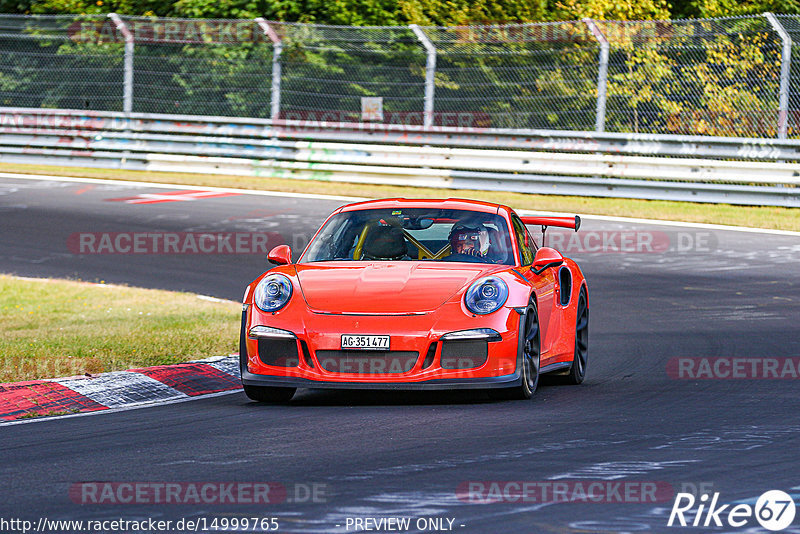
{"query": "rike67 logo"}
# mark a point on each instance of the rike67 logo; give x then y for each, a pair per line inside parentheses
(774, 510)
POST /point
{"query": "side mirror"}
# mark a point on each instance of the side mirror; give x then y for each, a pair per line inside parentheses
(546, 257)
(280, 255)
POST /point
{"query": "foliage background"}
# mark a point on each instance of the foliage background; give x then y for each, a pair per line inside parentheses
(400, 12)
(693, 75)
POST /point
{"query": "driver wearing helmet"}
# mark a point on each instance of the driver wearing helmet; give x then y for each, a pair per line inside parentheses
(468, 242)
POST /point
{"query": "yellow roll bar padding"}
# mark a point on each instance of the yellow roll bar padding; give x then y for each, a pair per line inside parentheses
(423, 251)
(358, 253)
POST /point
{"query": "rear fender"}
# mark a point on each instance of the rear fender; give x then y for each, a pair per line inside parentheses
(561, 323)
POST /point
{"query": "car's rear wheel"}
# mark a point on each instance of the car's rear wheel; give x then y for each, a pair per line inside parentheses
(530, 347)
(577, 371)
(269, 394)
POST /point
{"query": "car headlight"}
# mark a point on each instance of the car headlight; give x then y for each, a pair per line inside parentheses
(486, 295)
(273, 292)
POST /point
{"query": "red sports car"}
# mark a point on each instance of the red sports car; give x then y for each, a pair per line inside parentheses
(416, 294)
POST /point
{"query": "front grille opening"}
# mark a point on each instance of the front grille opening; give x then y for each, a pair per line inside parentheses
(429, 356)
(278, 352)
(464, 354)
(306, 354)
(374, 362)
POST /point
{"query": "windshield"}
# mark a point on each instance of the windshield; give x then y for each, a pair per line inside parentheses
(413, 234)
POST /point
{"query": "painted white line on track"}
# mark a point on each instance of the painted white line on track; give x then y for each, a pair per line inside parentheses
(362, 199)
(209, 298)
(157, 185)
(149, 404)
(704, 226)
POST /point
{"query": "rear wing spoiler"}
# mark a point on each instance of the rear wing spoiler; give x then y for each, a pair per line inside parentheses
(561, 222)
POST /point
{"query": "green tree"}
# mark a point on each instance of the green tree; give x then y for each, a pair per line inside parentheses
(89, 7)
(731, 8)
(465, 12)
(612, 9)
(15, 6)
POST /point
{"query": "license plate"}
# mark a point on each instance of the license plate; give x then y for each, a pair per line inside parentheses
(351, 341)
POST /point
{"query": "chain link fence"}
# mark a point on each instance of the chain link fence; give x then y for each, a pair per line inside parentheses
(728, 77)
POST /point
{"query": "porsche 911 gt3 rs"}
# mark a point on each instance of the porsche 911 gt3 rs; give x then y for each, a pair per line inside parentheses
(416, 294)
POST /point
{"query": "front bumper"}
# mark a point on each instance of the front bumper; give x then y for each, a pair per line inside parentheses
(310, 359)
(513, 379)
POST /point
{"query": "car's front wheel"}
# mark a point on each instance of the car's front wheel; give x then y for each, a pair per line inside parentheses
(269, 394)
(530, 347)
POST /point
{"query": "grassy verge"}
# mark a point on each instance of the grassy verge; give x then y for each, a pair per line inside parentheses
(51, 413)
(757, 217)
(54, 328)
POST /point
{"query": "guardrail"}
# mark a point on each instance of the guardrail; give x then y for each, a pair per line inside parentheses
(685, 168)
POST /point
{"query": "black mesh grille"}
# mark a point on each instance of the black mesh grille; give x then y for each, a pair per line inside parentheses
(464, 354)
(278, 352)
(367, 362)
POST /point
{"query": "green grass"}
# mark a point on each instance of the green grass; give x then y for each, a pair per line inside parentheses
(51, 413)
(54, 328)
(757, 217)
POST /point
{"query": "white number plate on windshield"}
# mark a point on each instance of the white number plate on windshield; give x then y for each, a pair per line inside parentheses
(351, 341)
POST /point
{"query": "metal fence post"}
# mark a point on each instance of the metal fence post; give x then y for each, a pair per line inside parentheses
(786, 64)
(127, 98)
(430, 71)
(277, 50)
(602, 75)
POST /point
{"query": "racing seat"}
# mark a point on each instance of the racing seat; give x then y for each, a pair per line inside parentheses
(385, 243)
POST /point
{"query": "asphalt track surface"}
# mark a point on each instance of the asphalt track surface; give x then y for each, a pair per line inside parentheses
(384, 454)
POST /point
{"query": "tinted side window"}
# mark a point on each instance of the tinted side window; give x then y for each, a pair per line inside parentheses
(525, 241)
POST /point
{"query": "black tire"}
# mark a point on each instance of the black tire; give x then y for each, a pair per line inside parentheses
(577, 372)
(269, 394)
(530, 356)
